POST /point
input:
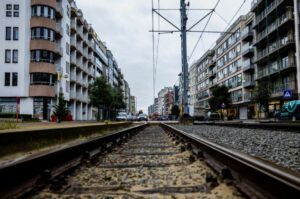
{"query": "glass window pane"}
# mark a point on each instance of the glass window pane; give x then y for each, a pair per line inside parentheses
(7, 79)
(7, 56)
(8, 33)
(15, 56)
(16, 33)
(14, 79)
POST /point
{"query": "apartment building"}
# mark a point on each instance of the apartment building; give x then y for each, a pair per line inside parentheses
(276, 58)
(202, 78)
(248, 67)
(133, 103)
(48, 48)
(162, 108)
(228, 67)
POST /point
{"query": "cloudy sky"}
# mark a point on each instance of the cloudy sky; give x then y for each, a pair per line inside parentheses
(124, 26)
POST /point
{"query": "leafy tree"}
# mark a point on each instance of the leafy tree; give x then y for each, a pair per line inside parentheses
(220, 95)
(117, 101)
(175, 111)
(60, 109)
(262, 95)
(100, 94)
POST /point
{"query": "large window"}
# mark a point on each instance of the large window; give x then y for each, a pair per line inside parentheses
(7, 56)
(43, 11)
(6, 79)
(43, 33)
(42, 56)
(42, 79)
(15, 56)
(14, 79)
(8, 33)
(15, 33)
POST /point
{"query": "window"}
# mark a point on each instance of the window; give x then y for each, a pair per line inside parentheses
(7, 79)
(42, 56)
(12, 9)
(8, 10)
(42, 79)
(68, 48)
(43, 11)
(15, 56)
(7, 56)
(14, 79)
(42, 33)
(8, 33)
(15, 33)
(67, 67)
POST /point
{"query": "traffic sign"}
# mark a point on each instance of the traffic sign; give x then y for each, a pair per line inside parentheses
(287, 94)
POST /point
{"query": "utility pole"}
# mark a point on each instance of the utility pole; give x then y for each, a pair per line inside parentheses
(183, 31)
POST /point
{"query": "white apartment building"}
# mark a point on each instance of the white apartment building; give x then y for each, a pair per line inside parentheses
(48, 48)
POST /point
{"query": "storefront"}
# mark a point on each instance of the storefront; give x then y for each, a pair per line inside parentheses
(41, 108)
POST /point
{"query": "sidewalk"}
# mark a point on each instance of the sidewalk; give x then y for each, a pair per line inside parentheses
(50, 125)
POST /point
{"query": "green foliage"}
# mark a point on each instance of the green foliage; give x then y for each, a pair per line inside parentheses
(61, 110)
(220, 95)
(262, 94)
(103, 95)
(175, 110)
(8, 125)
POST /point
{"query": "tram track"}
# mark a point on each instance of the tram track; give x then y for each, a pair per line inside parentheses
(147, 162)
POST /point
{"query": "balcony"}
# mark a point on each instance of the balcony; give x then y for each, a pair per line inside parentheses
(247, 34)
(211, 63)
(59, 10)
(266, 72)
(59, 30)
(73, 26)
(41, 44)
(269, 9)
(247, 50)
(277, 91)
(274, 48)
(248, 66)
(41, 91)
(280, 23)
(212, 74)
(249, 84)
(73, 77)
(248, 97)
(72, 95)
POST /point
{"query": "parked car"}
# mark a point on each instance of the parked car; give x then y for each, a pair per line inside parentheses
(142, 117)
(289, 111)
(129, 117)
(213, 116)
(122, 116)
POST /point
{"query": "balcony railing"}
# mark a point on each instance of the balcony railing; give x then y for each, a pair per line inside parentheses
(274, 25)
(273, 47)
(273, 70)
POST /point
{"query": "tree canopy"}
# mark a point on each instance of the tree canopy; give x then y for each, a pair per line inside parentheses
(220, 95)
(103, 95)
(61, 110)
(262, 94)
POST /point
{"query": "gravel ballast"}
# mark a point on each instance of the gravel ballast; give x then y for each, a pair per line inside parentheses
(280, 147)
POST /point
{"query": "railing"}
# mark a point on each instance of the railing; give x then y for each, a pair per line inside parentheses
(274, 25)
(273, 47)
(272, 70)
(246, 47)
(267, 10)
(47, 83)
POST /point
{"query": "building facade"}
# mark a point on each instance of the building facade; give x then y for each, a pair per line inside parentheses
(133, 105)
(277, 48)
(49, 48)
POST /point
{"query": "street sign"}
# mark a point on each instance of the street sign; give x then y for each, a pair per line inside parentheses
(287, 94)
(223, 105)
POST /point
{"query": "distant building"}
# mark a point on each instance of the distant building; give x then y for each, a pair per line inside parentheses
(133, 103)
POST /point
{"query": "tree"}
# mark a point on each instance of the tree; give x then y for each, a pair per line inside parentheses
(262, 95)
(175, 111)
(100, 94)
(60, 109)
(117, 101)
(220, 95)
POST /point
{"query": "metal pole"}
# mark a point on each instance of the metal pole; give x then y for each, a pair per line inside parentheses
(184, 56)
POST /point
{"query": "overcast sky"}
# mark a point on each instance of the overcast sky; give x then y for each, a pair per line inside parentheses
(124, 26)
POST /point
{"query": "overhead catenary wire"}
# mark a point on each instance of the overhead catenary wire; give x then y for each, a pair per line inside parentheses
(231, 20)
(191, 55)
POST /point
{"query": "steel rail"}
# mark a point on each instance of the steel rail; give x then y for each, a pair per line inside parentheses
(22, 176)
(255, 177)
